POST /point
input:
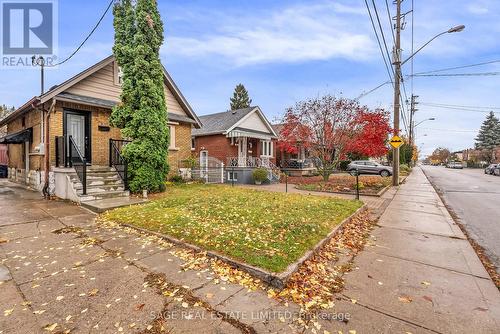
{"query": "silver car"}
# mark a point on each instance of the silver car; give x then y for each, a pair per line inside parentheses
(368, 167)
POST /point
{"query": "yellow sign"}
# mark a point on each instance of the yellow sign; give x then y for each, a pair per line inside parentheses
(396, 142)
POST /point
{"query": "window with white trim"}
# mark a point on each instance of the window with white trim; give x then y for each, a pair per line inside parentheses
(118, 75)
(266, 148)
(193, 143)
(172, 145)
(232, 176)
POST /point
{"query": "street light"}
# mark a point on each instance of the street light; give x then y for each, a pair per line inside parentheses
(449, 31)
(397, 77)
(428, 119)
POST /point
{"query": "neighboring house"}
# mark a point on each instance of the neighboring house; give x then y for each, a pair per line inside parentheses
(241, 139)
(296, 163)
(80, 108)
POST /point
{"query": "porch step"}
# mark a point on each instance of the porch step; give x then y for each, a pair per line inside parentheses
(103, 182)
(98, 182)
(101, 195)
(92, 189)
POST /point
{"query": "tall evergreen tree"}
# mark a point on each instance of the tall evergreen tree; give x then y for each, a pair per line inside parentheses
(142, 115)
(489, 134)
(240, 98)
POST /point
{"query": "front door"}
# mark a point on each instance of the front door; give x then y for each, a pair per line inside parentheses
(242, 152)
(77, 125)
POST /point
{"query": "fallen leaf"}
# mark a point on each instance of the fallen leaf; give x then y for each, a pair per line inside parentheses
(405, 299)
(58, 298)
(93, 292)
(425, 283)
(139, 307)
(8, 312)
(50, 328)
(185, 305)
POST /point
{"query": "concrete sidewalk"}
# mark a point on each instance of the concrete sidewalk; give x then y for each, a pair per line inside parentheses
(420, 270)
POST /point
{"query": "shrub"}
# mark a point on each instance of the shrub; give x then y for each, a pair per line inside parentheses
(176, 179)
(343, 164)
(259, 174)
(404, 168)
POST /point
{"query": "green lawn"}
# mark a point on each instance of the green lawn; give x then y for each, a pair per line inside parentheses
(265, 229)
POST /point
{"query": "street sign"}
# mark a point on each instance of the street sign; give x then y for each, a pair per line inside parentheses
(396, 142)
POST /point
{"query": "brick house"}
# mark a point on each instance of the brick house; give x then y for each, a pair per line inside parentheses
(241, 139)
(76, 114)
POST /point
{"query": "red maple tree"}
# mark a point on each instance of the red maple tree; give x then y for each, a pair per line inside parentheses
(330, 128)
(371, 131)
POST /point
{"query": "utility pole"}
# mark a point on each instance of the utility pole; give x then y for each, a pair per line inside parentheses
(413, 109)
(397, 78)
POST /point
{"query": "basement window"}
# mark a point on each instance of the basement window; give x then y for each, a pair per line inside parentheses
(232, 176)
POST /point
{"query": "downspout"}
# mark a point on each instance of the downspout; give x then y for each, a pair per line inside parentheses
(45, 190)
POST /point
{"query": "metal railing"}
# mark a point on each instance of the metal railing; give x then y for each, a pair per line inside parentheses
(297, 163)
(79, 163)
(256, 162)
(61, 155)
(117, 160)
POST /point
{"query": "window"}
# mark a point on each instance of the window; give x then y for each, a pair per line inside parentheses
(118, 75)
(172, 145)
(232, 176)
(266, 148)
(193, 143)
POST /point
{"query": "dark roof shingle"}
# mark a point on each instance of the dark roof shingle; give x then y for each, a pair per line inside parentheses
(220, 122)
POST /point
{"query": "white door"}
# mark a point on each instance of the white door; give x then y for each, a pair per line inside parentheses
(242, 152)
(75, 127)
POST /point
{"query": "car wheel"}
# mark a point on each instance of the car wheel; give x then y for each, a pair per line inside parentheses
(385, 173)
(352, 172)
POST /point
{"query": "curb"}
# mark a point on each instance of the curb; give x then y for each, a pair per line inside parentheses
(276, 280)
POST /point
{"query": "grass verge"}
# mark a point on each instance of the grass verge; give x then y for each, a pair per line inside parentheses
(266, 229)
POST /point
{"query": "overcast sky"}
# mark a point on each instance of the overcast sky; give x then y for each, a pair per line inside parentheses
(285, 51)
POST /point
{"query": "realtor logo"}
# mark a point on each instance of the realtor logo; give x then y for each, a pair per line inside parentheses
(28, 28)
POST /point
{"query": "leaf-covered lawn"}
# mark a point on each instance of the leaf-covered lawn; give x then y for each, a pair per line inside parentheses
(342, 183)
(265, 229)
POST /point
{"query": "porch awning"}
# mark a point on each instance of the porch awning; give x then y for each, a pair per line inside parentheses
(240, 132)
(18, 137)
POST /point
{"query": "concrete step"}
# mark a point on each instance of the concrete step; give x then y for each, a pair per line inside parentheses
(100, 169)
(103, 177)
(98, 182)
(101, 195)
(99, 188)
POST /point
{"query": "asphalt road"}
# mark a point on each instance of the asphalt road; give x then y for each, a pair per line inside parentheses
(475, 199)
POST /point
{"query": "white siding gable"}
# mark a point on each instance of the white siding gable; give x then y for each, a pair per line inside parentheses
(102, 85)
(254, 122)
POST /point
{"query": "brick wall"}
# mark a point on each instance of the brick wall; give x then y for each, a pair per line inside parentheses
(219, 147)
(183, 147)
(100, 139)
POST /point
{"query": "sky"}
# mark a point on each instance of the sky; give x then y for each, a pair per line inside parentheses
(287, 51)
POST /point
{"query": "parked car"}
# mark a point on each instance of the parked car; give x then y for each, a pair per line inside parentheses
(3, 171)
(496, 170)
(490, 168)
(455, 165)
(368, 167)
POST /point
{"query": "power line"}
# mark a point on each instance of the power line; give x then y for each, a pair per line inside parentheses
(450, 130)
(372, 90)
(459, 105)
(457, 108)
(86, 38)
(378, 41)
(459, 67)
(457, 74)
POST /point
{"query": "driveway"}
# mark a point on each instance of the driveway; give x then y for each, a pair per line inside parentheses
(475, 199)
